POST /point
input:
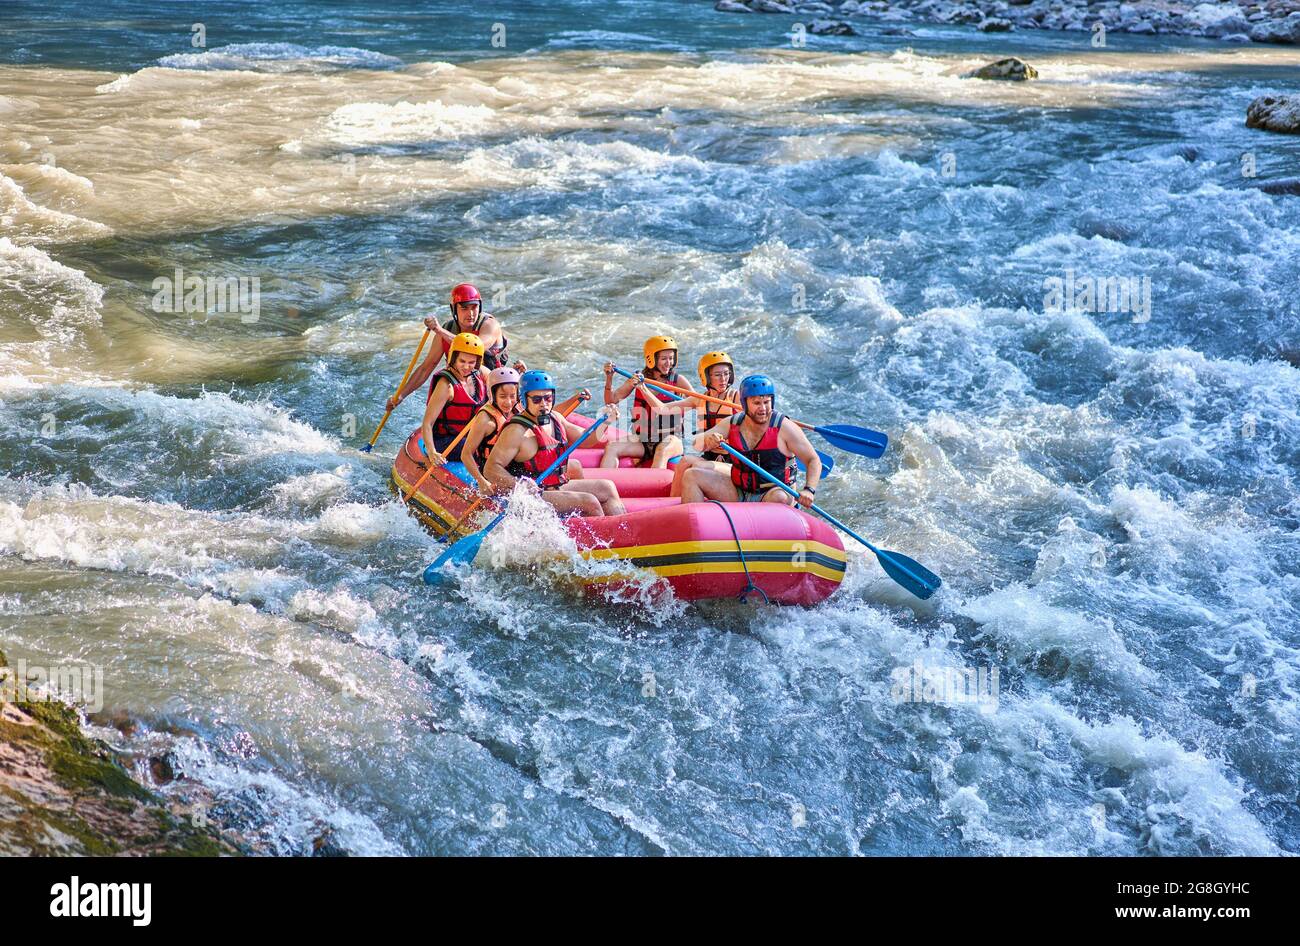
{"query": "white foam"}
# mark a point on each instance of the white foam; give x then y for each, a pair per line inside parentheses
(30, 222)
(1029, 627)
(281, 57)
(374, 122)
(60, 302)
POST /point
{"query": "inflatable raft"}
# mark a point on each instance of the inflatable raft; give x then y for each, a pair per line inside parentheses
(702, 550)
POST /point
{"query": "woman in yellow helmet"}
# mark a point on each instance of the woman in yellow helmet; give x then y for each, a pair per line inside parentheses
(718, 375)
(455, 395)
(656, 433)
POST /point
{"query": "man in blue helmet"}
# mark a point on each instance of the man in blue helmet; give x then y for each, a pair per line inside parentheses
(763, 436)
(533, 440)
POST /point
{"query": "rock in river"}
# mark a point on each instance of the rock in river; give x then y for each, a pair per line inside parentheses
(1016, 70)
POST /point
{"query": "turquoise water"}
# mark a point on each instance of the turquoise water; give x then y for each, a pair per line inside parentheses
(1109, 496)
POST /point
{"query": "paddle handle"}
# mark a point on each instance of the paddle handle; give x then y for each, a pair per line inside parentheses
(409, 368)
(815, 508)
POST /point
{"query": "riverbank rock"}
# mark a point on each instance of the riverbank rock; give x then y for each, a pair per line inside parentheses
(831, 28)
(64, 793)
(1232, 21)
(1217, 19)
(1284, 31)
(1015, 70)
(1279, 113)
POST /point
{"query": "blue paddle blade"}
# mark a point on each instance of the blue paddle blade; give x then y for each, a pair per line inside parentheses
(367, 448)
(852, 439)
(828, 464)
(462, 552)
(909, 573)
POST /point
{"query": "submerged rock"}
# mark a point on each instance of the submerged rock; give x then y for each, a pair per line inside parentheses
(831, 28)
(325, 845)
(995, 24)
(1275, 113)
(1287, 186)
(731, 6)
(1015, 70)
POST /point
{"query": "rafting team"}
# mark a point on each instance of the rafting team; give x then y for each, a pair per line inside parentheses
(500, 420)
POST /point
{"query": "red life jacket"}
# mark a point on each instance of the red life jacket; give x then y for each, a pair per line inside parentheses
(653, 428)
(487, 443)
(494, 357)
(459, 410)
(548, 451)
(766, 454)
(712, 414)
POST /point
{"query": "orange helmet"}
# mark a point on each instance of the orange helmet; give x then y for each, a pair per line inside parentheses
(714, 358)
(469, 343)
(653, 346)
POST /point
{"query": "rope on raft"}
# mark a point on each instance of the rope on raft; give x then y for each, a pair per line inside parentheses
(750, 588)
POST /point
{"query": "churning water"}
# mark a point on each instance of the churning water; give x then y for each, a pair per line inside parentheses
(1109, 491)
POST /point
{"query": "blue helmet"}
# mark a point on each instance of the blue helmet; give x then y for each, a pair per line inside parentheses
(534, 381)
(757, 385)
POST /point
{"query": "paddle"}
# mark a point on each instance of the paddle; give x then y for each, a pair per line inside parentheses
(828, 462)
(850, 438)
(409, 368)
(911, 574)
(465, 550)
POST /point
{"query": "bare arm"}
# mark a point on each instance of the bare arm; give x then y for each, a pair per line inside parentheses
(710, 439)
(489, 332)
(478, 429)
(503, 454)
(796, 442)
(624, 389)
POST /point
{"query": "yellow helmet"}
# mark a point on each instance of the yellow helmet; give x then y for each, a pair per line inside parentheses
(467, 342)
(714, 358)
(653, 346)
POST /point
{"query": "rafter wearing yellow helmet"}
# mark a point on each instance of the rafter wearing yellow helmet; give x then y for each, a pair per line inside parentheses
(455, 395)
(718, 374)
(656, 433)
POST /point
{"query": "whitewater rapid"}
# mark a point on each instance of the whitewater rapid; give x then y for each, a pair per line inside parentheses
(1111, 500)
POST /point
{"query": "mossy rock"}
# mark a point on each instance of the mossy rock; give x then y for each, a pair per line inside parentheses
(77, 798)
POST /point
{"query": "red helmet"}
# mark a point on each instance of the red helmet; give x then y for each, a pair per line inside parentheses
(465, 293)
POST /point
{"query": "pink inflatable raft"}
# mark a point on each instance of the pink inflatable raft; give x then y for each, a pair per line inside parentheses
(703, 550)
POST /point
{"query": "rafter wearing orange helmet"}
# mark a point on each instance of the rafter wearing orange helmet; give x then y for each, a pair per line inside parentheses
(455, 395)
(656, 433)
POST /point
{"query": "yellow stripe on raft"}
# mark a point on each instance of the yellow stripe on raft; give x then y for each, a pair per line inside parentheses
(721, 568)
(793, 546)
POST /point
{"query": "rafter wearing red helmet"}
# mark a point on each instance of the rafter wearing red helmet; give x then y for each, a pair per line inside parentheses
(467, 315)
